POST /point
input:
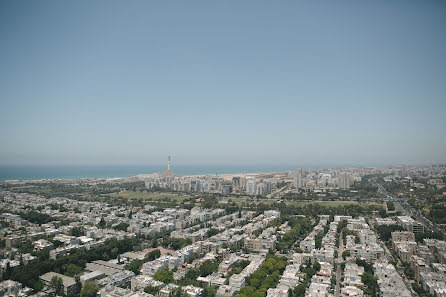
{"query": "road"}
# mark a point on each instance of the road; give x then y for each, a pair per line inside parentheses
(402, 205)
(338, 267)
(399, 269)
(277, 192)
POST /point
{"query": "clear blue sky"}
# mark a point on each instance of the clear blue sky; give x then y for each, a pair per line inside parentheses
(222, 82)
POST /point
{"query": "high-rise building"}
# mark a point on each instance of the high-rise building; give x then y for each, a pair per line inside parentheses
(236, 182)
(251, 186)
(298, 179)
(345, 180)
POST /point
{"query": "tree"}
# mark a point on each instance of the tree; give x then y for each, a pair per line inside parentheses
(212, 232)
(76, 231)
(318, 241)
(134, 266)
(56, 283)
(102, 223)
(152, 255)
(371, 282)
(385, 231)
(299, 291)
(89, 289)
(345, 254)
(151, 290)
(208, 267)
(390, 206)
(164, 276)
(72, 269)
(121, 226)
(38, 286)
(177, 292)
(29, 274)
(209, 292)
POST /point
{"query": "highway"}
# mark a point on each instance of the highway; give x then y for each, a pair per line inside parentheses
(405, 208)
(278, 191)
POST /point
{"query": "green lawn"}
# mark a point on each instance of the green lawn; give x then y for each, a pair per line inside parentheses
(239, 201)
(149, 196)
(330, 203)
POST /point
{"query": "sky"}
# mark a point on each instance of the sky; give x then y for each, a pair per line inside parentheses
(222, 82)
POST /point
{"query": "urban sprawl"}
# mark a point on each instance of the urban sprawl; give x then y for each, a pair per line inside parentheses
(310, 232)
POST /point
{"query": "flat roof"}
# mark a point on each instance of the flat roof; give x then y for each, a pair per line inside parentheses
(67, 281)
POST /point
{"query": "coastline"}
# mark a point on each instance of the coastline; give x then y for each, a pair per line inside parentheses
(41, 173)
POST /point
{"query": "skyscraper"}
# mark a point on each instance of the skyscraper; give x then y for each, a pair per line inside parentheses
(298, 179)
(345, 180)
(236, 182)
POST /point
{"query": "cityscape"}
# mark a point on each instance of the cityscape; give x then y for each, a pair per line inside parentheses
(222, 148)
(313, 232)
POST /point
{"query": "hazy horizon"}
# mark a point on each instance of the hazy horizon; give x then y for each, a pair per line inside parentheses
(252, 82)
(30, 172)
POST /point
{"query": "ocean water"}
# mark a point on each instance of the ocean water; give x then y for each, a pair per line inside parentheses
(102, 171)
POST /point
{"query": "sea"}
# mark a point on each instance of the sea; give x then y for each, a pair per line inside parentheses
(22, 172)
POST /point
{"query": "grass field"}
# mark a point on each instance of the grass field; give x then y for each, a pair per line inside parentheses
(149, 196)
(329, 203)
(239, 201)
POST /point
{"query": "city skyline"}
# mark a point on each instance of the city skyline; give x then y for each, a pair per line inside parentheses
(108, 83)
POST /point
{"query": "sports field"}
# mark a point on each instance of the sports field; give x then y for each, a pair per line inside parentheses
(149, 196)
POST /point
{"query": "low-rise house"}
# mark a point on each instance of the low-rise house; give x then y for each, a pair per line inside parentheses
(212, 280)
(192, 291)
(389, 281)
(224, 291)
(121, 278)
(43, 245)
(91, 276)
(166, 290)
(69, 284)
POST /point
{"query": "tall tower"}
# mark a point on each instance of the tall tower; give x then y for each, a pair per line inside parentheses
(298, 179)
(168, 163)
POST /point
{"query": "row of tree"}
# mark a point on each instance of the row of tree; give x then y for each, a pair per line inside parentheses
(300, 226)
(267, 276)
(29, 274)
(136, 264)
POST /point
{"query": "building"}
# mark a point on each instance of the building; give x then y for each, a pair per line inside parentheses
(403, 236)
(69, 284)
(192, 291)
(166, 290)
(212, 280)
(237, 281)
(298, 179)
(272, 213)
(121, 278)
(251, 186)
(410, 224)
(91, 276)
(236, 182)
(345, 180)
(225, 291)
(390, 282)
(112, 291)
(13, 288)
(43, 245)
(253, 243)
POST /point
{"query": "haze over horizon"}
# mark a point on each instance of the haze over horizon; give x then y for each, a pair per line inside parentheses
(253, 82)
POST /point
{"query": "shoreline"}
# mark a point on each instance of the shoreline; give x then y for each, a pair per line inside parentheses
(225, 176)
